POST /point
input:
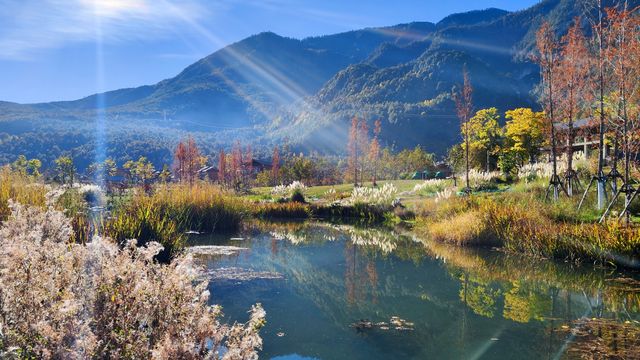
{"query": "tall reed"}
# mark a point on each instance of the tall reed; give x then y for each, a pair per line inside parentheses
(19, 188)
(170, 211)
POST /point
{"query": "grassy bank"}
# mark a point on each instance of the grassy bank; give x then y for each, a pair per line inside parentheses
(521, 221)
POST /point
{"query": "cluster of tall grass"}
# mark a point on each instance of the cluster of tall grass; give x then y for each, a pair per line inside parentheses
(167, 213)
(382, 197)
(523, 223)
(281, 210)
(64, 300)
(21, 188)
(431, 186)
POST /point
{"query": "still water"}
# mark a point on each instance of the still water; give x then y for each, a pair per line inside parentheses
(338, 292)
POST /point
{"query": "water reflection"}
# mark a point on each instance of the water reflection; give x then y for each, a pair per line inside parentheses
(465, 303)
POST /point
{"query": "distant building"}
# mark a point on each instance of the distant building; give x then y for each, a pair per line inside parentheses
(586, 139)
(208, 173)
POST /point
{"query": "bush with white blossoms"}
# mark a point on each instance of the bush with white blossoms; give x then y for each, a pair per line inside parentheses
(288, 190)
(382, 196)
(544, 170)
(63, 300)
(444, 194)
(477, 178)
(430, 186)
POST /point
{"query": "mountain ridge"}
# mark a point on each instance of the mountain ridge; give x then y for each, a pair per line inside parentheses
(268, 88)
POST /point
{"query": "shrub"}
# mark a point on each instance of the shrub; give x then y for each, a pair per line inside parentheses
(289, 190)
(65, 300)
(383, 196)
(468, 228)
(432, 186)
(298, 197)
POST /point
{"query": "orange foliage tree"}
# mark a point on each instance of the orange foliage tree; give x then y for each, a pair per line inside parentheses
(573, 93)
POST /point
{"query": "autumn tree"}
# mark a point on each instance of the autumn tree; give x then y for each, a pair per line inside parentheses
(222, 168)
(548, 59)
(275, 166)
(573, 93)
(165, 174)
(524, 134)
(464, 108)
(622, 57)
(109, 167)
(599, 85)
(483, 135)
(180, 161)
(355, 151)
(25, 166)
(188, 160)
(374, 152)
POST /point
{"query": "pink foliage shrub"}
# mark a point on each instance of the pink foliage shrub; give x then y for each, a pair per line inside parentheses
(60, 299)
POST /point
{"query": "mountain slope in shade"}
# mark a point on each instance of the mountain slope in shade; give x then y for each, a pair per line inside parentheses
(267, 87)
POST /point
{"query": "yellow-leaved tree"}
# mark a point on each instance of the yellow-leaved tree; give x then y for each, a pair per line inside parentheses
(485, 138)
(524, 134)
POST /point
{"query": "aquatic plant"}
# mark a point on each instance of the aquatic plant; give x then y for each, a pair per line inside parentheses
(60, 299)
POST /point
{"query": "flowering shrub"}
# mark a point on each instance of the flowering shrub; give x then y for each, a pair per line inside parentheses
(480, 178)
(430, 186)
(289, 190)
(60, 299)
(444, 194)
(530, 172)
(384, 196)
(544, 170)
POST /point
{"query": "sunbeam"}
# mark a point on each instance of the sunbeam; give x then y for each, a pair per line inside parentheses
(101, 146)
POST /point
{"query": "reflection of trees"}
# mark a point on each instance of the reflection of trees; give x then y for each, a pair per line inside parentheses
(600, 286)
(478, 295)
(522, 304)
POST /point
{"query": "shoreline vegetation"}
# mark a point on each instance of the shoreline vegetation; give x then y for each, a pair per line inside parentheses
(507, 213)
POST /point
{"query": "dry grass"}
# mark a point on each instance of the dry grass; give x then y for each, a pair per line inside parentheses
(20, 188)
(522, 223)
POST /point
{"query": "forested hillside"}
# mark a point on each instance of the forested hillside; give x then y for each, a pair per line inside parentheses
(268, 88)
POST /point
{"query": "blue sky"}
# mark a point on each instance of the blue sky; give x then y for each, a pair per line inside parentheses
(67, 49)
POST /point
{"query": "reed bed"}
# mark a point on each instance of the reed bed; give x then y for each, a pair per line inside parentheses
(19, 188)
(170, 211)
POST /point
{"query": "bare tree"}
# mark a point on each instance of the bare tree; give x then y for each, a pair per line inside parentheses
(464, 108)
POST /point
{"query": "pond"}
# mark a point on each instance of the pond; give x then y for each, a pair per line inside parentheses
(340, 292)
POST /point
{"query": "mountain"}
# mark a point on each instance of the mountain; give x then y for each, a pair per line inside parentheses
(267, 88)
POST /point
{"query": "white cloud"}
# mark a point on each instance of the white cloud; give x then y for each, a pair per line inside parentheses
(30, 26)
